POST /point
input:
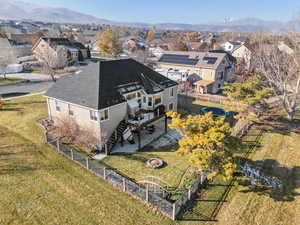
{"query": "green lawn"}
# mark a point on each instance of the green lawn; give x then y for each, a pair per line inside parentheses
(9, 81)
(40, 186)
(133, 165)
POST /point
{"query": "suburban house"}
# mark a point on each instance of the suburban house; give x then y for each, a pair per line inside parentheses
(11, 50)
(157, 51)
(77, 51)
(286, 47)
(243, 54)
(206, 70)
(229, 46)
(111, 98)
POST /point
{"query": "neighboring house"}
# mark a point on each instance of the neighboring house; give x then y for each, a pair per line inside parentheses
(243, 54)
(211, 68)
(77, 51)
(157, 51)
(133, 44)
(229, 46)
(108, 97)
(12, 50)
(194, 46)
(287, 48)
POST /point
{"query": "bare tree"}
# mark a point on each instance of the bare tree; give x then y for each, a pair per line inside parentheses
(282, 72)
(52, 59)
(70, 132)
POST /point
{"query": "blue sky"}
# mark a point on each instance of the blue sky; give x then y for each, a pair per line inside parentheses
(180, 11)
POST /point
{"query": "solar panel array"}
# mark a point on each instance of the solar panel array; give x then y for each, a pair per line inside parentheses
(210, 60)
(178, 59)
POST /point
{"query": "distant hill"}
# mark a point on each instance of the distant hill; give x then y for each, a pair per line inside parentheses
(14, 9)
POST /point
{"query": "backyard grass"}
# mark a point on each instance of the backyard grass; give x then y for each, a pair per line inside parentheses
(206, 103)
(279, 150)
(10, 81)
(134, 166)
(40, 186)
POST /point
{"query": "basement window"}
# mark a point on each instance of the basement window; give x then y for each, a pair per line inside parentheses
(104, 115)
(93, 115)
(57, 106)
(71, 111)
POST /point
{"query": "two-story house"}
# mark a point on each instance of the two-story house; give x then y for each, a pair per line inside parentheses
(78, 52)
(107, 97)
(208, 70)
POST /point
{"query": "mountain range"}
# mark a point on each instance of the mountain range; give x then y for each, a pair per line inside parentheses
(19, 10)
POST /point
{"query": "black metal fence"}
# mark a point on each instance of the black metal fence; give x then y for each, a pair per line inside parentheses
(167, 208)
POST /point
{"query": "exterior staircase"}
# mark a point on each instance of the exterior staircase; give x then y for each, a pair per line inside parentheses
(115, 137)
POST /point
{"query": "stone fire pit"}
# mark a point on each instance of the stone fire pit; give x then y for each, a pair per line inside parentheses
(155, 163)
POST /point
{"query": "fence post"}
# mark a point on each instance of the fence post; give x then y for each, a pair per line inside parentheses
(104, 173)
(147, 193)
(72, 154)
(57, 145)
(46, 137)
(105, 146)
(201, 179)
(124, 184)
(189, 194)
(174, 211)
(87, 162)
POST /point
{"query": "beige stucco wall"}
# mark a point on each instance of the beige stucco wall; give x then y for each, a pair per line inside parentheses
(116, 114)
(81, 116)
(168, 99)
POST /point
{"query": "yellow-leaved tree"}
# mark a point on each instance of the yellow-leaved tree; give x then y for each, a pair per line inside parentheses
(109, 43)
(207, 141)
(150, 35)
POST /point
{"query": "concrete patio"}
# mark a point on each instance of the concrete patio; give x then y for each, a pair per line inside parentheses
(156, 139)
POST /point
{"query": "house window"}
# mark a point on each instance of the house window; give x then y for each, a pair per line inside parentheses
(93, 115)
(171, 107)
(131, 96)
(57, 106)
(139, 94)
(150, 101)
(71, 111)
(157, 99)
(221, 75)
(104, 115)
(172, 92)
(144, 99)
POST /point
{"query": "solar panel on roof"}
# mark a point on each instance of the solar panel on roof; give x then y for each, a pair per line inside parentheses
(178, 59)
(210, 60)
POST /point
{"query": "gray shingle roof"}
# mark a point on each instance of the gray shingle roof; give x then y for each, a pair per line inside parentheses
(97, 85)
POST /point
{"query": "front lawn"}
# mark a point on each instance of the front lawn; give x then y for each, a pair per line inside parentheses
(10, 81)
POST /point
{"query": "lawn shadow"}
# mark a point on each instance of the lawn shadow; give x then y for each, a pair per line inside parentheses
(204, 208)
(288, 177)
